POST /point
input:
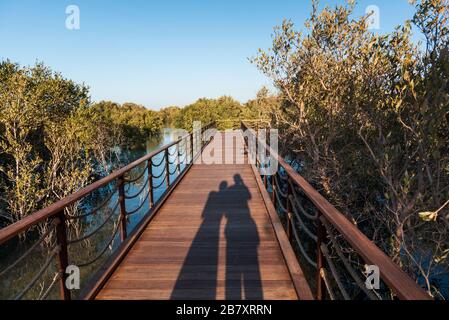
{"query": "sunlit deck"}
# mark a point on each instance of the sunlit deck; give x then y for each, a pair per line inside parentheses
(212, 239)
(196, 219)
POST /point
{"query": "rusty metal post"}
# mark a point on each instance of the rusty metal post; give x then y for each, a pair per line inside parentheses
(267, 155)
(150, 184)
(179, 157)
(167, 168)
(273, 188)
(290, 225)
(63, 258)
(191, 148)
(257, 146)
(321, 234)
(121, 199)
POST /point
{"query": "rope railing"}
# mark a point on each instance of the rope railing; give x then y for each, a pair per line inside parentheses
(292, 197)
(161, 183)
(95, 231)
(159, 164)
(135, 195)
(301, 223)
(141, 204)
(352, 272)
(160, 175)
(39, 274)
(174, 158)
(54, 281)
(96, 209)
(28, 252)
(140, 175)
(103, 251)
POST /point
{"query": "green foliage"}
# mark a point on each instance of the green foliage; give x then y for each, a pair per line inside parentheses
(225, 110)
(208, 110)
(169, 115)
(367, 116)
(264, 106)
(136, 122)
(52, 141)
(31, 100)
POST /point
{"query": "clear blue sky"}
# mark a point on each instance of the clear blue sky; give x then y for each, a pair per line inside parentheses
(159, 53)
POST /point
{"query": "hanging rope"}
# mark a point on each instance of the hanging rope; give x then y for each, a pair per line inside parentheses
(56, 277)
(303, 251)
(97, 229)
(162, 182)
(140, 205)
(41, 271)
(334, 272)
(139, 192)
(347, 264)
(301, 223)
(114, 233)
(29, 251)
(157, 165)
(138, 178)
(94, 211)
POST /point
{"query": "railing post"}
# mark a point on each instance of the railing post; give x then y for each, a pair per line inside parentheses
(321, 234)
(179, 157)
(167, 168)
(195, 142)
(121, 199)
(63, 258)
(267, 153)
(289, 211)
(257, 147)
(191, 147)
(150, 183)
(273, 189)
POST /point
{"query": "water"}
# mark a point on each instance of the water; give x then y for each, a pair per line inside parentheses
(100, 229)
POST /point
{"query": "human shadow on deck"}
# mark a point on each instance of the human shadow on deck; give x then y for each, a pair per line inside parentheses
(198, 278)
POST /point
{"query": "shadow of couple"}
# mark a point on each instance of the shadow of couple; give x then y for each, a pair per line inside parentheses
(198, 277)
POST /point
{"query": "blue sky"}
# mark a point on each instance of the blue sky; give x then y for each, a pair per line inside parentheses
(159, 53)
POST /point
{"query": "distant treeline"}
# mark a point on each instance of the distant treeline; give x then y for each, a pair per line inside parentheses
(223, 108)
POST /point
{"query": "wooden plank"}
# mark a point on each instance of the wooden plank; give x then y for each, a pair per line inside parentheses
(171, 272)
(125, 284)
(187, 294)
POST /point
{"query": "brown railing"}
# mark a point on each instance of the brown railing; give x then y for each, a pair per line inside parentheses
(327, 244)
(162, 170)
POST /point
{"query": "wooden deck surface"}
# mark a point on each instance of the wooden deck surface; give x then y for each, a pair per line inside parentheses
(212, 239)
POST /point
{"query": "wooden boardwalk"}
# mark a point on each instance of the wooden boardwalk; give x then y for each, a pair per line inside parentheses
(213, 234)
(212, 239)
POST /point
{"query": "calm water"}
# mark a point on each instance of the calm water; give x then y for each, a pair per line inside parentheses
(101, 228)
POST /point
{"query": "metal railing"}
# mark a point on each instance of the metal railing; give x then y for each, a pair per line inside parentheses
(161, 170)
(327, 244)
